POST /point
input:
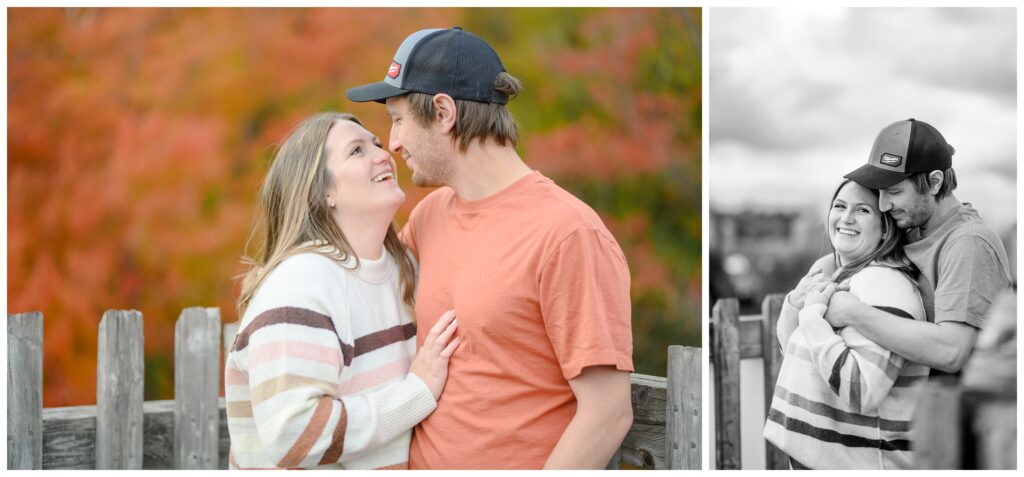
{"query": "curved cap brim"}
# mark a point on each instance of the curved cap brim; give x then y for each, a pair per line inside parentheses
(378, 92)
(875, 177)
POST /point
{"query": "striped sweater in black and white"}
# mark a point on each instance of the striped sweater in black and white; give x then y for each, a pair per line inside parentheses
(841, 401)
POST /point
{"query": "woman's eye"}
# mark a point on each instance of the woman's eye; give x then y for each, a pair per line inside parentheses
(356, 150)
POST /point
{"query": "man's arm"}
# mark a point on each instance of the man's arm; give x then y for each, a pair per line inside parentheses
(944, 346)
(604, 414)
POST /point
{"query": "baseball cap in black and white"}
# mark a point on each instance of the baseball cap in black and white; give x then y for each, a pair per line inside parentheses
(441, 60)
(902, 149)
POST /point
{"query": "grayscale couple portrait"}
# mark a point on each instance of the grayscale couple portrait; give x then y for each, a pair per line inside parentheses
(903, 323)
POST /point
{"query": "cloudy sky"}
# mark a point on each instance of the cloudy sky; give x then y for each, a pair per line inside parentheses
(797, 96)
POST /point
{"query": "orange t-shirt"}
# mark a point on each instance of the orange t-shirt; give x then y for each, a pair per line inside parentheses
(541, 290)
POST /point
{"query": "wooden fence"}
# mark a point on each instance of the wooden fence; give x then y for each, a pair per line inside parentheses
(953, 428)
(734, 338)
(122, 431)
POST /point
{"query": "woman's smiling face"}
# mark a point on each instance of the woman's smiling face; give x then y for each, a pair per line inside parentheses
(854, 222)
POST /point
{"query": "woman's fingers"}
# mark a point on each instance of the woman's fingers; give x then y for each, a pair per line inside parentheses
(448, 350)
(442, 323)
(446, 335)
(829, 289)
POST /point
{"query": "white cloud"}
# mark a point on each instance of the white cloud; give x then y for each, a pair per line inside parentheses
(806, 90)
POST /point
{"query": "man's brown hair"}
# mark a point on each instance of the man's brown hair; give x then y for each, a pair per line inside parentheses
(922, 183)
(475, 120)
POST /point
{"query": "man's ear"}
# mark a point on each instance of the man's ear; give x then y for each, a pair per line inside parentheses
(935, 180)
(445, 112)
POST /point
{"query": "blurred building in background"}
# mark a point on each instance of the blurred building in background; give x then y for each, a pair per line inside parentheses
(762, 252)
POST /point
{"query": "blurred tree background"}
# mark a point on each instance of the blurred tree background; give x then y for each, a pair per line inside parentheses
(137, 140)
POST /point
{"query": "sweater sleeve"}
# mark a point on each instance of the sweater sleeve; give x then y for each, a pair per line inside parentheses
(859, 371)
(298, 348)
(787, 323)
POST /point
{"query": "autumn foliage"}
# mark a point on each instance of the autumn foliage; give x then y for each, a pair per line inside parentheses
(137, 139)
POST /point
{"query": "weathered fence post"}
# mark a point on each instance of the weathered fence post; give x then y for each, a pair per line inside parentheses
(994, 421)
(119, 391)
(25, 391)
(726, 357)
(771, 308)
(230, 330)
(196, 386)
(683, 416)
(937, 428)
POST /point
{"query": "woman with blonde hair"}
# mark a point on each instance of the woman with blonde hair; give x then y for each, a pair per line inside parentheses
(322, 372)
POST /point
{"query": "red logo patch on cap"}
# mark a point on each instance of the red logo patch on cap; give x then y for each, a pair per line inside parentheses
(891, 160)
(394, 69)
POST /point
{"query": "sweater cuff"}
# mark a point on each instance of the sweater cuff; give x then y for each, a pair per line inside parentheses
(787, 304)
(410, 403)
(813, 324)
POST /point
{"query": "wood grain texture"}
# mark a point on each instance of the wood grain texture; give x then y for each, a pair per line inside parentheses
(770, 310)
(683, 420)
(69, 436)
(119, 391)
(644, 446)
(25, 391)
(197, 341)
(750, 337)
(726, 360)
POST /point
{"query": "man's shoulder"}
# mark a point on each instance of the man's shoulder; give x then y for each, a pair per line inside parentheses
(968, 221)
(969, 229)
(560, 208)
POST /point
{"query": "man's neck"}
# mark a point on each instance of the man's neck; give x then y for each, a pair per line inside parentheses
(942, 209)
(486, 169)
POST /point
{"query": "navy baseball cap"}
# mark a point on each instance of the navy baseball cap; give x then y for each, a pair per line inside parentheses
(441, 60)
(902, 149)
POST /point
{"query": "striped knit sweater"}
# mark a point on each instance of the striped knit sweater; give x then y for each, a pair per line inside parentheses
(841, 401)
(318, 373)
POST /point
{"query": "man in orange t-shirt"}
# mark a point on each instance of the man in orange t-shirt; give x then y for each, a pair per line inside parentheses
(539, 286)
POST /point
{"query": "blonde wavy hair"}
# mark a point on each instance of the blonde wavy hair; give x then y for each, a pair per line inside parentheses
(294, 211)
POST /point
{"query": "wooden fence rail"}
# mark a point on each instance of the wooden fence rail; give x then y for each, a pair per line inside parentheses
(952, 428)
(190, 432)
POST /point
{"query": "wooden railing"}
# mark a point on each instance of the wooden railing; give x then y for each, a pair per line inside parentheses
(953, 428)
(122, 431)
(735, 337)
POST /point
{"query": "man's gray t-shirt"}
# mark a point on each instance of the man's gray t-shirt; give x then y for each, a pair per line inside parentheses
(963, 266)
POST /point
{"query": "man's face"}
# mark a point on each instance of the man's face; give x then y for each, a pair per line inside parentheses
(422, 146)
(906, 206)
